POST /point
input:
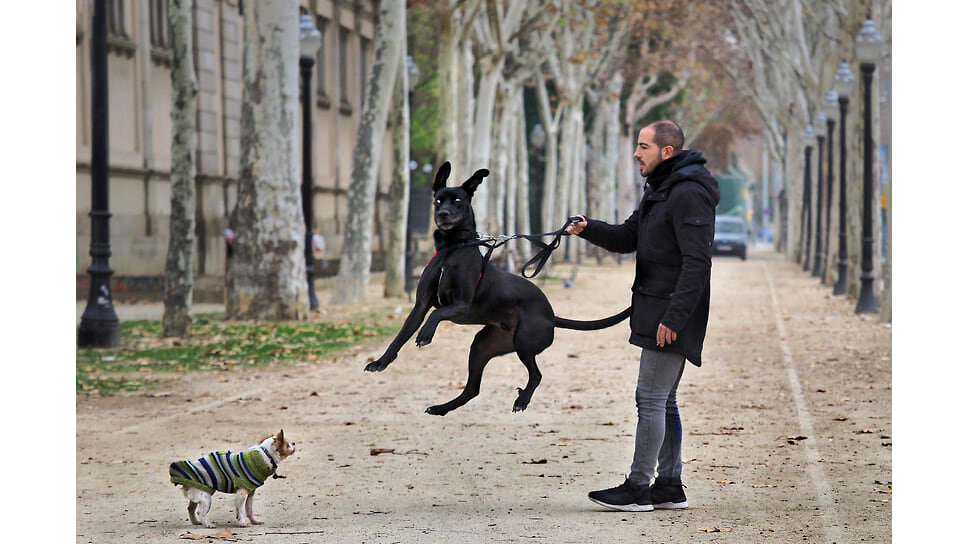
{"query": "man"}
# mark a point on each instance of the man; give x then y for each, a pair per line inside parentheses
(672, 234)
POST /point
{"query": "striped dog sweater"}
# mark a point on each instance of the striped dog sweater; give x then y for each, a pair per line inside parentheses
(224, 471)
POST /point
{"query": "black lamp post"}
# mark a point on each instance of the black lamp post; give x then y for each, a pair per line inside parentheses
(830, 109)
(805, 213)
(309, 41)
(843, 82)
(817, 244)
(99, 327)
(868, 45)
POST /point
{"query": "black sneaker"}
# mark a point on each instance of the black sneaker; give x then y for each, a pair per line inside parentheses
(627, 497)
(667, 494)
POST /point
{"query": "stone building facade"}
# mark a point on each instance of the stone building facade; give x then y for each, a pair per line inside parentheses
(139, 88)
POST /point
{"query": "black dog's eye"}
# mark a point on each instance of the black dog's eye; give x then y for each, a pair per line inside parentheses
(437, 202)
(456, 200)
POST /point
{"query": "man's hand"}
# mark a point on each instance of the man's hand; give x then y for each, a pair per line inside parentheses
(576, 228)
(664, 336)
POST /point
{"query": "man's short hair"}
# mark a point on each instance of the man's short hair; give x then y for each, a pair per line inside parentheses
(668, 133)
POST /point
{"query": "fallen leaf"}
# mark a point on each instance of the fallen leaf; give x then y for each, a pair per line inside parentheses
(725, 482)
(841, 418)
(536, 462)
(378, 451)
(224, 534)
(713, 530)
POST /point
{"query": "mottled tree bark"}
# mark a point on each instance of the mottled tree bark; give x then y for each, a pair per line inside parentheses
(179, 273)
(394, 281)
(355, 258)
(266, 277)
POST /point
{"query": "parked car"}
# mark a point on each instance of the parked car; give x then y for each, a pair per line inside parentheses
(732, 236)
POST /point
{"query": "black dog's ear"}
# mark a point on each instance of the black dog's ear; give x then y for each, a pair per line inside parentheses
(472, 182)
(442, 174)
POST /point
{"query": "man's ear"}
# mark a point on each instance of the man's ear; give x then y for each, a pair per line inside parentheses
(671, 152)
(442, 174)
(472, 182)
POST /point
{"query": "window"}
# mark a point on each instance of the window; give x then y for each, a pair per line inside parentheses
(115, 16)
(322, 99)
(364, 72)
(158, 31)
(344, 44)
(118, 40)
(158, 21)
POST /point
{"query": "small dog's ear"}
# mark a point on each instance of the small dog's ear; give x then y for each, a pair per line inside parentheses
(442, 174)
(472, 182)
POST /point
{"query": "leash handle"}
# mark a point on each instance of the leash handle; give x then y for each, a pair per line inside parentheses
(541, 257)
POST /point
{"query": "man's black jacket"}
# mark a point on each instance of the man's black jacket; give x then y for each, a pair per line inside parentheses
(672, 235)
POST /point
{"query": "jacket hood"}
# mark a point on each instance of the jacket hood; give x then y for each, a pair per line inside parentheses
(688, 164)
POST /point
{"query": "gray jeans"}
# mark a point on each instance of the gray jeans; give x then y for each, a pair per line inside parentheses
(658, 434)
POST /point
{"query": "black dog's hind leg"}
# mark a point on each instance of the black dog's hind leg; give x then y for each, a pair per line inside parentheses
(490, 342)
(534, 378)
(533, 336)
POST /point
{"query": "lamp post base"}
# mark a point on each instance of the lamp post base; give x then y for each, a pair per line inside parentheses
(313, 301)
(100, 327)
(866, 303)
(840, 287)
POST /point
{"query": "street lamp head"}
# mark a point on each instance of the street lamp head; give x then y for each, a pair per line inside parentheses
(820, 121)
(537, 136)
(843, 79)
(868, 43)
(830, 105)
(413, 75)
(428, 168)
(309, 37)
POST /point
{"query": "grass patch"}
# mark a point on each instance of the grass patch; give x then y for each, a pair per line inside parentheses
(145, 359)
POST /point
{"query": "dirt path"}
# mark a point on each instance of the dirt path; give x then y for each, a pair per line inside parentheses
(787, 433)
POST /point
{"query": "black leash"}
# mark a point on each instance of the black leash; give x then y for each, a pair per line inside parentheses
(539, 259)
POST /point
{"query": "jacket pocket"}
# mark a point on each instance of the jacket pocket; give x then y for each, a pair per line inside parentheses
(697, 230)
(697, 221)
(649, 304)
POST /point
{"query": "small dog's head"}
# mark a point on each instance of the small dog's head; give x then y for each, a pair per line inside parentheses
(452, 205)
(279, 446)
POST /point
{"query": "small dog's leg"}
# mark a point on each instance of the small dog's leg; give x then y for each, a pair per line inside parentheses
(241, 496)
(248, 510)
(191, 513)
(204, 505)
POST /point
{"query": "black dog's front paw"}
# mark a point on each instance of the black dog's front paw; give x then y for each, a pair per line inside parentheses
(426, 334)
(379, 365)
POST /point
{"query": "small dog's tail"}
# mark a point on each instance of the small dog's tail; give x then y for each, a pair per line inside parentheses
(563, 323)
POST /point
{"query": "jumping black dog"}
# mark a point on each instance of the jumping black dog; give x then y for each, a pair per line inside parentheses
(466, 289)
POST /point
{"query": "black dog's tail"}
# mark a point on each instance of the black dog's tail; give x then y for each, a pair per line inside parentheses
(593, 325)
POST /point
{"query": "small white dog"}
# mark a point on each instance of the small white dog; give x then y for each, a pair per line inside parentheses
(240, 473)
